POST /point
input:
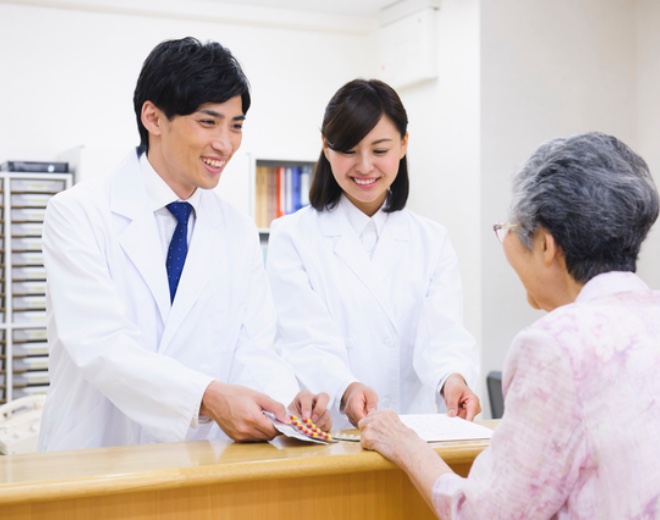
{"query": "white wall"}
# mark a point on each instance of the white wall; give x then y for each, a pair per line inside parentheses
(444, 148)
(549, 69)
(647, 109)
(511, 75)
(68, 74)
(73, 80)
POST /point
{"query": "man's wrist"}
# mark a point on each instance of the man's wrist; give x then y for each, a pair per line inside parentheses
(344, 396)
(450, 377)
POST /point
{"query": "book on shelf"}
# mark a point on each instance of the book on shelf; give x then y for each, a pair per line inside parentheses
(280, 190)
(305, 183)
(288, 190)
(294, 196)
(271, 196)
(261, 194)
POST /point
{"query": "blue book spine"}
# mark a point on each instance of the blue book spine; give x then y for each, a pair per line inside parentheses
(305, 180)
(295, 188)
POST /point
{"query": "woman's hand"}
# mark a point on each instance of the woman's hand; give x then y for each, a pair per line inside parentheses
(357, 401)
(314, 407)
(460, 400)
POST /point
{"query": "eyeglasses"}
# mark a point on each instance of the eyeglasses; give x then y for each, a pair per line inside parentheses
(501, 229)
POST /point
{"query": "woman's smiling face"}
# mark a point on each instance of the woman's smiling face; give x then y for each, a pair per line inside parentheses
(366, 171)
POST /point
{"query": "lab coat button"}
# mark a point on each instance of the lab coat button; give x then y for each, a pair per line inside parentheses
(385, 403)
(389, 343)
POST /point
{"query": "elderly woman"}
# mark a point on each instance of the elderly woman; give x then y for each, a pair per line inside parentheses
(579, 438)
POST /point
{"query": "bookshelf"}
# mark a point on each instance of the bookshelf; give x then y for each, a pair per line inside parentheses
(23, 341)
(280, 188)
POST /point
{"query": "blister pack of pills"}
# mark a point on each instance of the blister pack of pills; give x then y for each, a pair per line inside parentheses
(302, 429)
(344, 436)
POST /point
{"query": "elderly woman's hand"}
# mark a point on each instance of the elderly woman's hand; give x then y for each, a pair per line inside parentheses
(383, 431)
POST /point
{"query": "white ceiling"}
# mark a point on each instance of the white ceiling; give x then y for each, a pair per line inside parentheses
(339, 7)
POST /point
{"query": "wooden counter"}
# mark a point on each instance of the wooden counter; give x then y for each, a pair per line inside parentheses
(217, 480)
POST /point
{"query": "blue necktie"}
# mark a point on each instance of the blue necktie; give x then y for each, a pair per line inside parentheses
(176, 255)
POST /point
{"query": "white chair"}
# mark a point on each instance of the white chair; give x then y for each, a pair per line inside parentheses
(19, 424)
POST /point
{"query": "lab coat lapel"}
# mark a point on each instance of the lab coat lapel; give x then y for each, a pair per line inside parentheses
(350, 250)
(204, 253)
(139, 238)
(392, 244)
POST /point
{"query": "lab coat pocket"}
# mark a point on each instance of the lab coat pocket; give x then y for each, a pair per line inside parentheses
(87, 432)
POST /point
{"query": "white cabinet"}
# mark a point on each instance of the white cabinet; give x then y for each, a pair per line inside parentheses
(23, 342)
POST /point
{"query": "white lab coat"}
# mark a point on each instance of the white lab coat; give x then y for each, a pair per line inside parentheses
(393, 322)
(125, 366)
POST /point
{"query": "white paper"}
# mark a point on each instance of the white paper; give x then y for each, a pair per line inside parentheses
(439, 427)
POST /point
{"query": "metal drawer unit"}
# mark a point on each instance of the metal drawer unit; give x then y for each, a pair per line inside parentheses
(23, 342)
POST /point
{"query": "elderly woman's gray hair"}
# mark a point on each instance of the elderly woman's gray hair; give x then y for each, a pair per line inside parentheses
(594, 195)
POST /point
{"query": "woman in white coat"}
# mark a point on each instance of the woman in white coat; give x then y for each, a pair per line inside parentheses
(368, 294)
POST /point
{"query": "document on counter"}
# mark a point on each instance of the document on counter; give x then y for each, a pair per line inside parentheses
(438, 427)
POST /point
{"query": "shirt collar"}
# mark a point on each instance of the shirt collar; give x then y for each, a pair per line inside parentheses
(160, 194)
(359, 220)
(609, 283)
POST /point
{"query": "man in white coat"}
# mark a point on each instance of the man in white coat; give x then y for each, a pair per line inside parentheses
(141, 351)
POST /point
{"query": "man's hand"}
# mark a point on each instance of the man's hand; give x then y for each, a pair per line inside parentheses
(357, 401)
(314, 407)
(459, 398)
(238, 411)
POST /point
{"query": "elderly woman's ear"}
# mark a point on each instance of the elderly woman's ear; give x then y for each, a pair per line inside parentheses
(545, 250)
(551, 250)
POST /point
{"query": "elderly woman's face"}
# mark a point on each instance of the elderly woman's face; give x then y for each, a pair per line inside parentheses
(532, 268)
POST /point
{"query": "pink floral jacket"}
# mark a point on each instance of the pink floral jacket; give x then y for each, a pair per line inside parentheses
(580, 437)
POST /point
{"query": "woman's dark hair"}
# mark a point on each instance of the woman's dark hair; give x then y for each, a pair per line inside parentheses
(594, 195)
(179, 76)
(354, 110)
